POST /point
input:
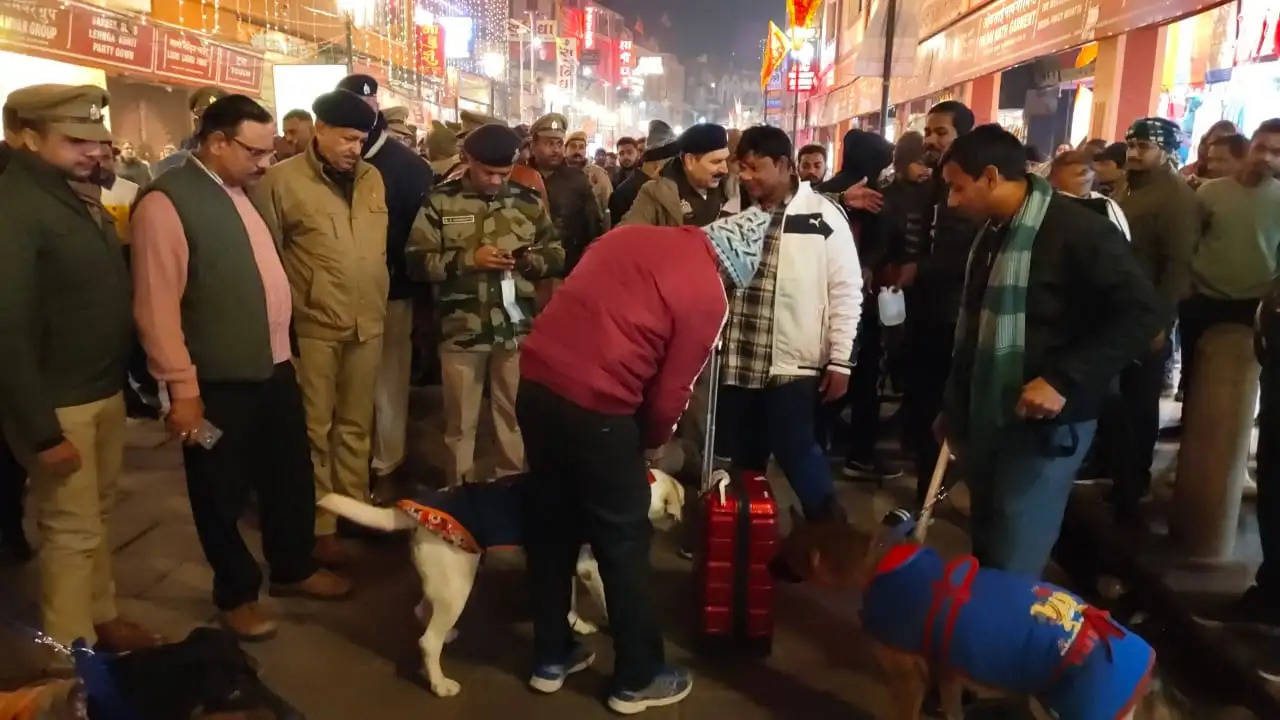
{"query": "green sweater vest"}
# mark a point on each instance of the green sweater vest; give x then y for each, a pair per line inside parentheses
(224, 307)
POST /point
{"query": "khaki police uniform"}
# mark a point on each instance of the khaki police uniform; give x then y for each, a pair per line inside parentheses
(334, 250)
(64, 334)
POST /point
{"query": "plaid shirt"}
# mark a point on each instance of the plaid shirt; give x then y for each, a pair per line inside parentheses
(748, 336)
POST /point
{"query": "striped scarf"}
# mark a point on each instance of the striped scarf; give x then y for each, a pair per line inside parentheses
(998, 375)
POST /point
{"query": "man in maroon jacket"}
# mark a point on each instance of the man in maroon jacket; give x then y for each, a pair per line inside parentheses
(605, 376)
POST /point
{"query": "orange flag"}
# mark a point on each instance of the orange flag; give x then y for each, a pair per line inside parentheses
(775, 50)
(801, 13)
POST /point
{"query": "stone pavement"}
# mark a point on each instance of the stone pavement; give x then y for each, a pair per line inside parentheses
(358, 659)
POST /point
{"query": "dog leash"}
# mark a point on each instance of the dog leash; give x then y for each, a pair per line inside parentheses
(937, 492)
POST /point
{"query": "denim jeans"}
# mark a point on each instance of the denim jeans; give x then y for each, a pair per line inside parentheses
(753, 424)
(1019, 486)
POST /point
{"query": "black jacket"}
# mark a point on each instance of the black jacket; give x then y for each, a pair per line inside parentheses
(624, 195)
(1090, 311)
(866, 155)
(941, 261)
(574, 212)
(908, 209)
(408, 179)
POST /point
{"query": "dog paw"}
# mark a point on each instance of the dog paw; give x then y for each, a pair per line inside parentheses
(583, 627)
(446, 687)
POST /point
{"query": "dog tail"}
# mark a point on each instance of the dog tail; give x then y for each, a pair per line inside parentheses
(384, 519)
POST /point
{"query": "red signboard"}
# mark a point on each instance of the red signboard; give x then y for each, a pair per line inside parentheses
(801, 79)
(34, 24)
(96, 38)
(431, 58)
(239, 70)
(111, 39)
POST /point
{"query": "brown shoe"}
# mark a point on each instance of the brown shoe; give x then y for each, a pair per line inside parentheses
(328, 551)
(121, 635)
(249, 622)
(322, 585)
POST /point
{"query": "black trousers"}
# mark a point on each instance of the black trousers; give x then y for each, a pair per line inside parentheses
(864, 391)
(1198, 313)
(1131, 442)
(926, 363)
(1269, 481)
(264, 446)
(13, 483)
(589, 485)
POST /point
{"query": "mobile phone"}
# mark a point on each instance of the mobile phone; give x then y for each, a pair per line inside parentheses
(207, 435)
(520, 252)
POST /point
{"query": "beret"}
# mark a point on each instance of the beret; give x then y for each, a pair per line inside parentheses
(360, 84)
(342, 108)
(493, 145)
(703, 138)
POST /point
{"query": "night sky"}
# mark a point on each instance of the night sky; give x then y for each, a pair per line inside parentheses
(714, 27)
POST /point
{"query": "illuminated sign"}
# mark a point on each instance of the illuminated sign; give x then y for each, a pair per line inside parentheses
(431, 50)
(459, 37)
(627, 65)
(589, 32)
(801, 78)
(648, 65)
(545, 29)
(564, 63)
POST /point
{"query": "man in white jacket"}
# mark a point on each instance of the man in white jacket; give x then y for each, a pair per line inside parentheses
(789, 336)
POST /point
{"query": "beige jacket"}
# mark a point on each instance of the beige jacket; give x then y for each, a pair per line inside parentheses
(334, 252)
(602, 188)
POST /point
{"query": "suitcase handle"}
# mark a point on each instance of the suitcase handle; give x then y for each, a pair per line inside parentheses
(713, 399)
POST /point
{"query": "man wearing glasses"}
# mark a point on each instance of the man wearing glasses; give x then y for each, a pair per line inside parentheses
(213, 309)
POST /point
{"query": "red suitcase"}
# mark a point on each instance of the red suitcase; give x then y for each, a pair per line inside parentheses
(739, 536)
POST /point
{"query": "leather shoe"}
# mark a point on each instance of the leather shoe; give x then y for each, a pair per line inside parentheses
(322, 585)
(121, 635)
(329, 552)
(249, 622)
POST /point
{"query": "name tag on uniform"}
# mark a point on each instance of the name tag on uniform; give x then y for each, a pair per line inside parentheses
(459, 219)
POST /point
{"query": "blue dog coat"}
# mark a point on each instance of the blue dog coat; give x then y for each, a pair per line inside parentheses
(475, 516)
(1007, 631)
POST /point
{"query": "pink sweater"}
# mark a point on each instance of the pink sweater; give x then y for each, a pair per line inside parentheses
(160, 256)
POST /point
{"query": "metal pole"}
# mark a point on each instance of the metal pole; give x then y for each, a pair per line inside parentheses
(795, 110)
(887, 71)
(350, 46)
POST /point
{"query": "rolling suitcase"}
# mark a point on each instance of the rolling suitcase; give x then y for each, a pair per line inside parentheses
(739, 536)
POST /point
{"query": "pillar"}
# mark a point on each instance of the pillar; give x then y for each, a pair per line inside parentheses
(1126, 80)
(984, 96)
(1217, 423)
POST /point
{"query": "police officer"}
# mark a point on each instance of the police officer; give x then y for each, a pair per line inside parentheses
(407, 178)
(482, 240)
(573, 203)
(64, 336)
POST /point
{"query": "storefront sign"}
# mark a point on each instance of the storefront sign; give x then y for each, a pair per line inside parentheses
(801, 79)
(95, 38)
(626, 63)
(431, 56)
(545, 29)
(564, 63)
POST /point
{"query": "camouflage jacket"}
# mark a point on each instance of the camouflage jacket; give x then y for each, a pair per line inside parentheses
(454, 222)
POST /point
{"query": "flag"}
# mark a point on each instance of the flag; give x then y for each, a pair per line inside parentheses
(775, 50)
(801, 13)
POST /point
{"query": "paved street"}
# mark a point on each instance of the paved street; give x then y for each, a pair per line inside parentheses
(347, 660)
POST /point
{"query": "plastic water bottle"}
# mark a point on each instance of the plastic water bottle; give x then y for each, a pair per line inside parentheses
(893, 307)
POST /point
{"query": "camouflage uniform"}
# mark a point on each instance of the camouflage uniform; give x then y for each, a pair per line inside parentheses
(476, 331)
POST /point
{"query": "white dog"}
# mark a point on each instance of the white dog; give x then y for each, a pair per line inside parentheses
(447, 548)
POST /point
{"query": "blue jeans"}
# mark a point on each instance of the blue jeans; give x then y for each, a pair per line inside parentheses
(778, 421)
(1020, 485)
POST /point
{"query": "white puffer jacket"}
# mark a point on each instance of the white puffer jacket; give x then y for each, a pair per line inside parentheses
(818, 295)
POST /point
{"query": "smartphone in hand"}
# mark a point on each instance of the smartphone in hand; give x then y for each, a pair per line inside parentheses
(207, 435)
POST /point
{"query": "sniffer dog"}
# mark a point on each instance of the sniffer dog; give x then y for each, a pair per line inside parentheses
(994, 633)
(454, 526)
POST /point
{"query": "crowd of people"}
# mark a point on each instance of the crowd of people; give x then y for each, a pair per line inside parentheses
(265, 291)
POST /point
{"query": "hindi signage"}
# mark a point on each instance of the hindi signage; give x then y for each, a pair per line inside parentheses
(97, 38)
(431, 57)
(565, 63)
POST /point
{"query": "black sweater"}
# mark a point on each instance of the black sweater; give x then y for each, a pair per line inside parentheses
(1090, 311)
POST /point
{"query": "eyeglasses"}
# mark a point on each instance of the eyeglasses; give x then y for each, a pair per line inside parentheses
(255, 153)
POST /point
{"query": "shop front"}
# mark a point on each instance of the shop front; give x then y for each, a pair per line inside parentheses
(147, 68)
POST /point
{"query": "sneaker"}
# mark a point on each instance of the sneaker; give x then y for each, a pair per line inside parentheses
(549, 677)
(1254, 610)
(671, 685)
(877, 470)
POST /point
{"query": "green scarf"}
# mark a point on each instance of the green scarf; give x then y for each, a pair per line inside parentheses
(998, 374)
